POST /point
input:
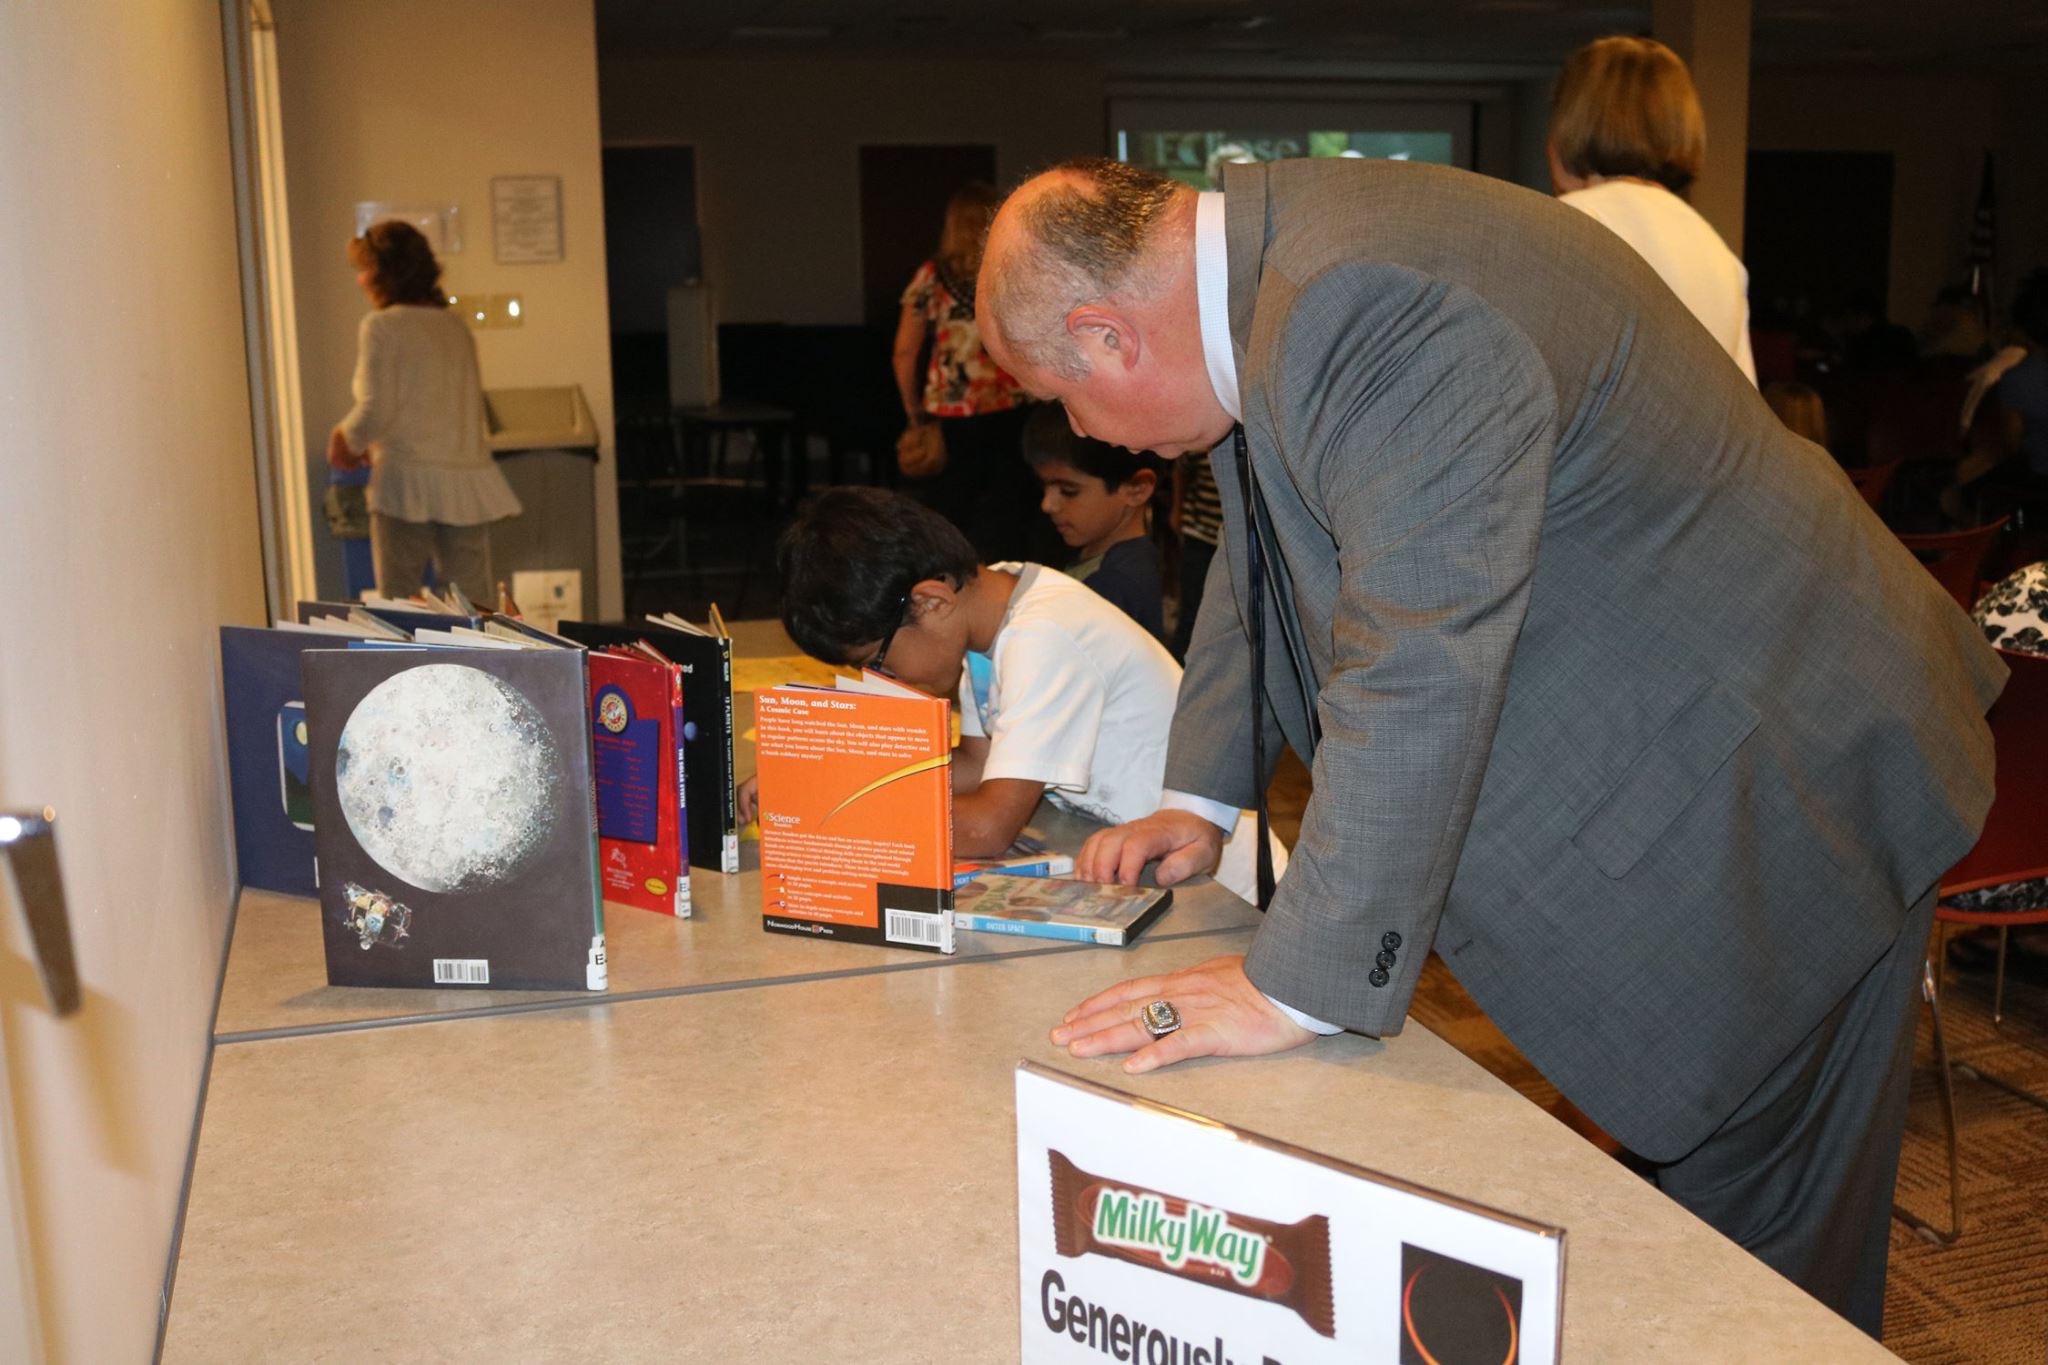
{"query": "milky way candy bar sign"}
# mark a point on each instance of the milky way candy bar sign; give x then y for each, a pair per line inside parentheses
(1157, 1237)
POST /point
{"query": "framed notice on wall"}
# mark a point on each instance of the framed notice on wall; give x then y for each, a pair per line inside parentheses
(526, 219)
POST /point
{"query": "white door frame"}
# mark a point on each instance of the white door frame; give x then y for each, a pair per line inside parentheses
(270, 321)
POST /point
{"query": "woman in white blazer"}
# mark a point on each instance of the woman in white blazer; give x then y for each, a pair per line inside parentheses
(1626, 142)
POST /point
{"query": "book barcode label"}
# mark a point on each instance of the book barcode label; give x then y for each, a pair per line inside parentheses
(912, 926)
(462, 971)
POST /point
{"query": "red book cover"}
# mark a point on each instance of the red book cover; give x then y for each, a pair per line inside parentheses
(856, 814)
(636, 713)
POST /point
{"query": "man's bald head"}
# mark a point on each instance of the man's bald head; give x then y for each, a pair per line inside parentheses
(1084, 232)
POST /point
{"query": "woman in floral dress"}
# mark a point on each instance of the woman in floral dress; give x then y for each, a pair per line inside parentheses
(985, 488)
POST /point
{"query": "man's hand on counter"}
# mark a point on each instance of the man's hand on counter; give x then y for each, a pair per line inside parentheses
(1184, 843)
(1222, 1015)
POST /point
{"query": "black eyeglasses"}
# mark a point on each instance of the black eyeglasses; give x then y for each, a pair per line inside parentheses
(902, 620)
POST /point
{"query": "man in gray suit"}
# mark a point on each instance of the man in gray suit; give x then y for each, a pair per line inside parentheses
(1611, 688)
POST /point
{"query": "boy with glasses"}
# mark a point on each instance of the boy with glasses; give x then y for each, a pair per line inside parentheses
(1061, 694)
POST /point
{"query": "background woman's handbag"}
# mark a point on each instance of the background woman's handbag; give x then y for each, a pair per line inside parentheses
(348, 511)
(921, 451)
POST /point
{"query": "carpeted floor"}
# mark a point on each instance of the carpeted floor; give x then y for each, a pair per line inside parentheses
(1984, 1301)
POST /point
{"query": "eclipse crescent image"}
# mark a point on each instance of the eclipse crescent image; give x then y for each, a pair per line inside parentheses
(447, 778)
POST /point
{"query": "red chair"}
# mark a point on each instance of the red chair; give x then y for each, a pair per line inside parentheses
(2013, 848)
(1954, 557)
(1873, 482)
(1913, 415)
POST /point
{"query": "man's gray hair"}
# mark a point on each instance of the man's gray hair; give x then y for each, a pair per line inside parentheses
(1086, 240)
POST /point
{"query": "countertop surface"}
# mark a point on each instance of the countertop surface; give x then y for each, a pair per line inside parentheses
(824, 1168)
(763, 1147)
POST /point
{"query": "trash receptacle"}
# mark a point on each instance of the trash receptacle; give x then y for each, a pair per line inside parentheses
(545, 439)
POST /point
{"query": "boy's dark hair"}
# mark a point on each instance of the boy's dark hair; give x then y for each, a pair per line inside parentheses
(850, 559)
(1050, 438)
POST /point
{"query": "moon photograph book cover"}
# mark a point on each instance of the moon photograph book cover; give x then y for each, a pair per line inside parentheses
(454, 818)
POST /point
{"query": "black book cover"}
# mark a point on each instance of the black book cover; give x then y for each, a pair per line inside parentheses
(455, 816)
(709, 809)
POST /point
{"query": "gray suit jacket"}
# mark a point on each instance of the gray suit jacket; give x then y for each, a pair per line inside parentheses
(1624, 697)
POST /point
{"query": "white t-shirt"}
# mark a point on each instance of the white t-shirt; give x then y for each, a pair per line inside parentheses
(1081, 698)
(1684, 250)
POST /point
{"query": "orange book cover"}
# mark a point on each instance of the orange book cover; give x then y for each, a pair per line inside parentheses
(856, 791)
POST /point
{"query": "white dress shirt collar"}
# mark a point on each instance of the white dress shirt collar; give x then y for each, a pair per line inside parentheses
(1212, 300)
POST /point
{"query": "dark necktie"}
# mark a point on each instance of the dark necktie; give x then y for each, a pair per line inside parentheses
(1255, 574)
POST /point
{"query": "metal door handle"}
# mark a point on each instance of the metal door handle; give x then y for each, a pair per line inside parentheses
(28, 846)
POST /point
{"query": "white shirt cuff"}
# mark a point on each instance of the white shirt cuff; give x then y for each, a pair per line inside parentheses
(1307, 1021)
(1215, 812)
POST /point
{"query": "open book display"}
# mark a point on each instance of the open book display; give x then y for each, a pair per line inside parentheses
(620, 778)
(636, 728)
(856, 813)
(705, 657)
(453, 812)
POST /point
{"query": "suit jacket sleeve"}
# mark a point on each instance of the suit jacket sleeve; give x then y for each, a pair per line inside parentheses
(1209, 752)
(1416, 425)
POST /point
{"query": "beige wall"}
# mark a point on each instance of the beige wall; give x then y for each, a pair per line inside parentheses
(1712, 36)
(396, 101)
(1936, 127)
(778, 161)
(778, 146)
(127, 534)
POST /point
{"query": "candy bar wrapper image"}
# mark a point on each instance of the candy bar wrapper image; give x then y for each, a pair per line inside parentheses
(455, 818)
(1284, 1264)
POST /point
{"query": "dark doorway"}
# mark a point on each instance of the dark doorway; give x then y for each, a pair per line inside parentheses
(1817, 229)
(903, 194)
(651, 245)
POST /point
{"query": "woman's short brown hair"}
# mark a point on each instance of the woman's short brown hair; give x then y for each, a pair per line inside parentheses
(968, 214)
(1626, 106)
(401, 264)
